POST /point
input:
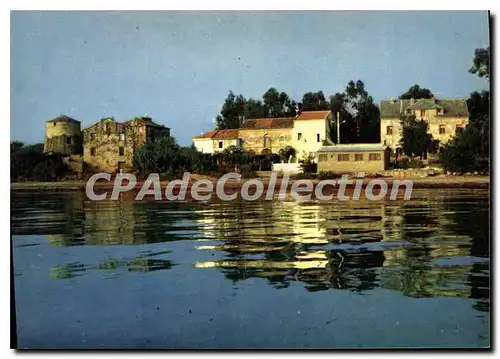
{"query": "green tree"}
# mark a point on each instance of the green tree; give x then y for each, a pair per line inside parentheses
(415, 141)
(28, 162)
(253, 109)
(359, 116)
(278, 104)
(314, 101)
(161, 155)
(481, 63)
(416, 92)
(232, 112)
(286, 152)
(16, 146)
(470, 150)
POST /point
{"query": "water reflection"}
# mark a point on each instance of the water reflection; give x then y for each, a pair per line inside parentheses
(435, 245)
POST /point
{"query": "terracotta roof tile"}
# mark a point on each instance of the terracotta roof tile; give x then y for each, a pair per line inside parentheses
(208, 134)
(313, 115)
(226, 135)
(268, 123)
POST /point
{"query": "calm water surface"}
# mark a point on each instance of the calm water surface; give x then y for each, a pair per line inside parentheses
(301, 274)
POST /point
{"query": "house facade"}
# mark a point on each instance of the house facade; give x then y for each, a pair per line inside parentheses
(305, 133)
(310, 130)
(266, 134)
(446, 118)
(109, 145)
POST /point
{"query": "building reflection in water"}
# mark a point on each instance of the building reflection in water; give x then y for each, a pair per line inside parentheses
(422, 248)
(437, 244)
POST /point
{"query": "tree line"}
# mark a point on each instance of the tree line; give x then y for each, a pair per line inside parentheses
(359, 115)
(470, 150)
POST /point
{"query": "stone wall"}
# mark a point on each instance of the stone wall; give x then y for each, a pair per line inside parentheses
(103, 140)
(63, 137)
(110, 145)
(253, 139)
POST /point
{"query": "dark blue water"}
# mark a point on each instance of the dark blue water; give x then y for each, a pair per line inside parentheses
(121, 274)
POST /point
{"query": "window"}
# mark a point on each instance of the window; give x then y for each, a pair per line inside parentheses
(108, 129)
(343, 157)
(442, 129)
(358, 157)
(221, 144)
(299, 136)
(92, 136)
(121, 150)
(68, 140)
(422, 113)
(388, 130)
(54, 123)
(322, 158)
(267, 141)
(318, 138)
(374, 157)
(122, 136)
(459, 129)
(92, 151)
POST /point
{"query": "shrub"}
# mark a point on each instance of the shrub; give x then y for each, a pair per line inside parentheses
(308, 166)
(29, 163)
(286, 152)
(402, 163)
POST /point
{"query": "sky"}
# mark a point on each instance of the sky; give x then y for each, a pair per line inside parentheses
(178, 67)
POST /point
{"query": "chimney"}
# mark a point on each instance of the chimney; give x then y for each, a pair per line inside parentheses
(412, 101)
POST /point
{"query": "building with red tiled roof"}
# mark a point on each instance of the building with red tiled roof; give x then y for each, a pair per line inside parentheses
(216, 140)
(268, 123)
(310, 131)
(305, 132)
(312, 115)
(226, 135)
(206, 135)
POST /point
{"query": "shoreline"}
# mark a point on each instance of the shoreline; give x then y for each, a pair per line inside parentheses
(441, 181)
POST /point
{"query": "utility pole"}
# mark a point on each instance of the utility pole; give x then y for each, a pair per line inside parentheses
(338, 128)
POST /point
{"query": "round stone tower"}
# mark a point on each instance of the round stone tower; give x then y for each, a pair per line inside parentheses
(63, 135)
